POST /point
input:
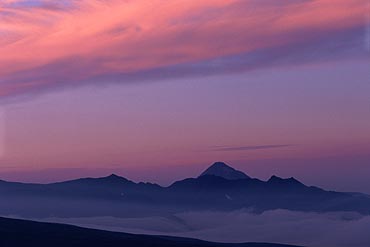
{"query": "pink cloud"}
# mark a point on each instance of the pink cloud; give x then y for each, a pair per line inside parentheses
(47, 45)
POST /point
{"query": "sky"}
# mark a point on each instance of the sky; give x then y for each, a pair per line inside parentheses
(158, 90)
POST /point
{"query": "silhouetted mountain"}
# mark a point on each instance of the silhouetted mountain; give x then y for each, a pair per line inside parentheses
(117, 196)
(36, 234)
(111, 179)
(104, 187)
(220, 169)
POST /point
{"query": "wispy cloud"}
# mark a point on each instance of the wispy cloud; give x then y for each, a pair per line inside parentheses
(248, 148)
(45, 45)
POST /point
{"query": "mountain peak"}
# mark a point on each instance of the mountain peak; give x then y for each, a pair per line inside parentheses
(291, 180)
(220, 169)
(274, 178)
(115, 178)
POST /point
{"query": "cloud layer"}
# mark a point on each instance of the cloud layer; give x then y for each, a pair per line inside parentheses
(44, 44)
(277, 226)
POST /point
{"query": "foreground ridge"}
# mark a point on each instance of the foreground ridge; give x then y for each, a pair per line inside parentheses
(36, 234)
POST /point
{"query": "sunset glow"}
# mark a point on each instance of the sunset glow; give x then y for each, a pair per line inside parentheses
(157, 90)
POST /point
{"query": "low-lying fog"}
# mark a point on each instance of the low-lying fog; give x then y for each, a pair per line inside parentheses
(278, 226)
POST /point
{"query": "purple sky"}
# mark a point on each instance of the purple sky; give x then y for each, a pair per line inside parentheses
(259, 85)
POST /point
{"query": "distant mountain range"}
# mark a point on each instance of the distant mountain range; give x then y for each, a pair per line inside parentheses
(220, 187)
(35, 234)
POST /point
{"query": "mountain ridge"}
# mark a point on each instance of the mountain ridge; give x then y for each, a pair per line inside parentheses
(116, 195)
(15, 232)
